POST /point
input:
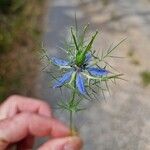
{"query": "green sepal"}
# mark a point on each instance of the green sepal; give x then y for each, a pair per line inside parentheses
(74, 39)
(80, 58)
(81, 55)
(89, 46)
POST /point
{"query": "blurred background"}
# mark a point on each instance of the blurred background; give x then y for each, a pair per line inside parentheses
(121, 121)
(20, 32)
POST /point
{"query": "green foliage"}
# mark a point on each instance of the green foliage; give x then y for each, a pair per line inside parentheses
(6, 39)
(2, 89)
(11, 6)
(145, 75)
(133, 59)
(130, 53)
(19, 29)
(5, 5)
(105, 2)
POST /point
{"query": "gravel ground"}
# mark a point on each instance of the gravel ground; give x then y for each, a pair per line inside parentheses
(122, 121)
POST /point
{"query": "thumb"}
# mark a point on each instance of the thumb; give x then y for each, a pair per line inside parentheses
(67, 143)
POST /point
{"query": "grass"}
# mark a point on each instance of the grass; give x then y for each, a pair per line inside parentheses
(135, 62)
(130, 53)
(105, 2)
(145, 75)
(19, 37)
(133, 59)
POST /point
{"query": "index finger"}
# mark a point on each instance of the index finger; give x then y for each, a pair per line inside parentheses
(16, 104)
(20, 126)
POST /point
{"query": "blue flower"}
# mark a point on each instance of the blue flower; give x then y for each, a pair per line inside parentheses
(78, 74)
(62, 80)
(80, 83)
(59, 62)
(97, 71)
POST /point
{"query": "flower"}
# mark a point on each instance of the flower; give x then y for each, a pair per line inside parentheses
(78, 74)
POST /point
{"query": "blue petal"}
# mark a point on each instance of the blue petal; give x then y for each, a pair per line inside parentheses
(88, 57)
(97, 71)
(59, 62)
(62, 80)
(80, 84)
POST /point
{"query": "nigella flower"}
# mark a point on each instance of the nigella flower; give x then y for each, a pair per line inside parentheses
(78, 73)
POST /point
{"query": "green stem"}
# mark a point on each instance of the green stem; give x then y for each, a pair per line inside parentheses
(71, 122)
(71, 112)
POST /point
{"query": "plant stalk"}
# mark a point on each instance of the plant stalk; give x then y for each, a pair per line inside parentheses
(71, 113)
(71, 122)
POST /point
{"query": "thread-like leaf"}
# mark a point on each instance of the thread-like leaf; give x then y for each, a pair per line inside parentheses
(74, 39)
(88, 48)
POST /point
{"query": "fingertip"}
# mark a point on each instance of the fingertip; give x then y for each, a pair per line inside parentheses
(73, 143)
(66, 143)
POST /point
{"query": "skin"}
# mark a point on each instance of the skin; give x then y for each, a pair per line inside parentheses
(22, 119)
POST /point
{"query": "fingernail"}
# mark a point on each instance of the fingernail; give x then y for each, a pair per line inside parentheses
(74, 143)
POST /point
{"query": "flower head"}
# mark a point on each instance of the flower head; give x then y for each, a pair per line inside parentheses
(81, 65)
(81, 72)
(78, 74)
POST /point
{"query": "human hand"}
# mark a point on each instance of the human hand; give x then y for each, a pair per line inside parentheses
(22, 119)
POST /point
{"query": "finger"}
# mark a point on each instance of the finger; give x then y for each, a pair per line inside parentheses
(17, 128)
(16, 104)
(67, 143)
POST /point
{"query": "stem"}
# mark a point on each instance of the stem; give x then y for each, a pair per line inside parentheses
(71, 113)
(71, 122)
